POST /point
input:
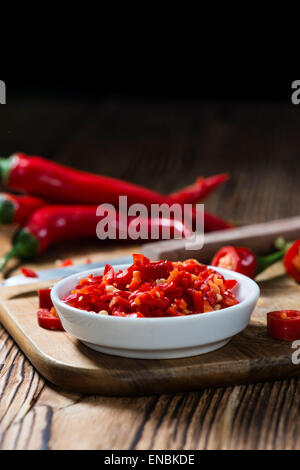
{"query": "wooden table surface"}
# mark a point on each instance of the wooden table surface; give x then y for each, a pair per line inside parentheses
(163, 145)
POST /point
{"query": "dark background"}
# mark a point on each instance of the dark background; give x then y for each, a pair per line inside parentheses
(148, 83)
(163, 133)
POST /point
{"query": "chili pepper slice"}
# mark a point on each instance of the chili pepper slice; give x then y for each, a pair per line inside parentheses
(244, 261)
(284, 325)
(45, 299)
(241, 260)
(292, 261)
(28, 272)
(49, 319)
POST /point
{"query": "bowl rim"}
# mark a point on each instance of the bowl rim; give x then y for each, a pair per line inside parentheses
(236, 276)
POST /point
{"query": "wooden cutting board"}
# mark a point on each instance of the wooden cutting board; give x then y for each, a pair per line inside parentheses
(251, 356)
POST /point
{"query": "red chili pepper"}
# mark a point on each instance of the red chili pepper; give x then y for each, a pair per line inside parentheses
(292, 261)
(52, 224)
(135, 315)
(17, 209)
(240, 260)
(244, 261)
(45, 299)
(57, 183)
(157, 289)
(49, 319)
(201, 189)
(28, 272)
(230, 284)
(67, 262)
(213, 223)
(284, 325)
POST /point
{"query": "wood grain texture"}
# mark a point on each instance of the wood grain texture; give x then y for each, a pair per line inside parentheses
(164, 146)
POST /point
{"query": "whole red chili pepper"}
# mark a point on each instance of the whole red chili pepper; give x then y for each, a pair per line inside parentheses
(57, 183)
(244, 261)
(199, 190)
(17, 209)
(52, 224)
(292, 261)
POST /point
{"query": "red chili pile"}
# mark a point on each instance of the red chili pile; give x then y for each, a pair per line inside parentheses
(154, 289)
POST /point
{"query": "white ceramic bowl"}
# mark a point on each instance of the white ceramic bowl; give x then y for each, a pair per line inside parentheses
(157, 338)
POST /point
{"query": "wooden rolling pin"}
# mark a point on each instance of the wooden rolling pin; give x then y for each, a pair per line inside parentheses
(260, 238)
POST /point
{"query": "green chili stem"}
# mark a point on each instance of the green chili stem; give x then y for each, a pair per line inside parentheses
(12, 254)
(7, 210)
(5, 168)
(25, 246)
(267, 261)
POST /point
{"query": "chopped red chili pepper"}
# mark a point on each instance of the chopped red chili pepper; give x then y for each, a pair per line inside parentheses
(45, 299)
(49, 319)
(284, 325)
(67, 262)
(28, 272)
(230, 284)
(156, 289)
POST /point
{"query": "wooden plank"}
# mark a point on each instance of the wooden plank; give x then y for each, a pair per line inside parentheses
(254, 417)
(258, 237)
